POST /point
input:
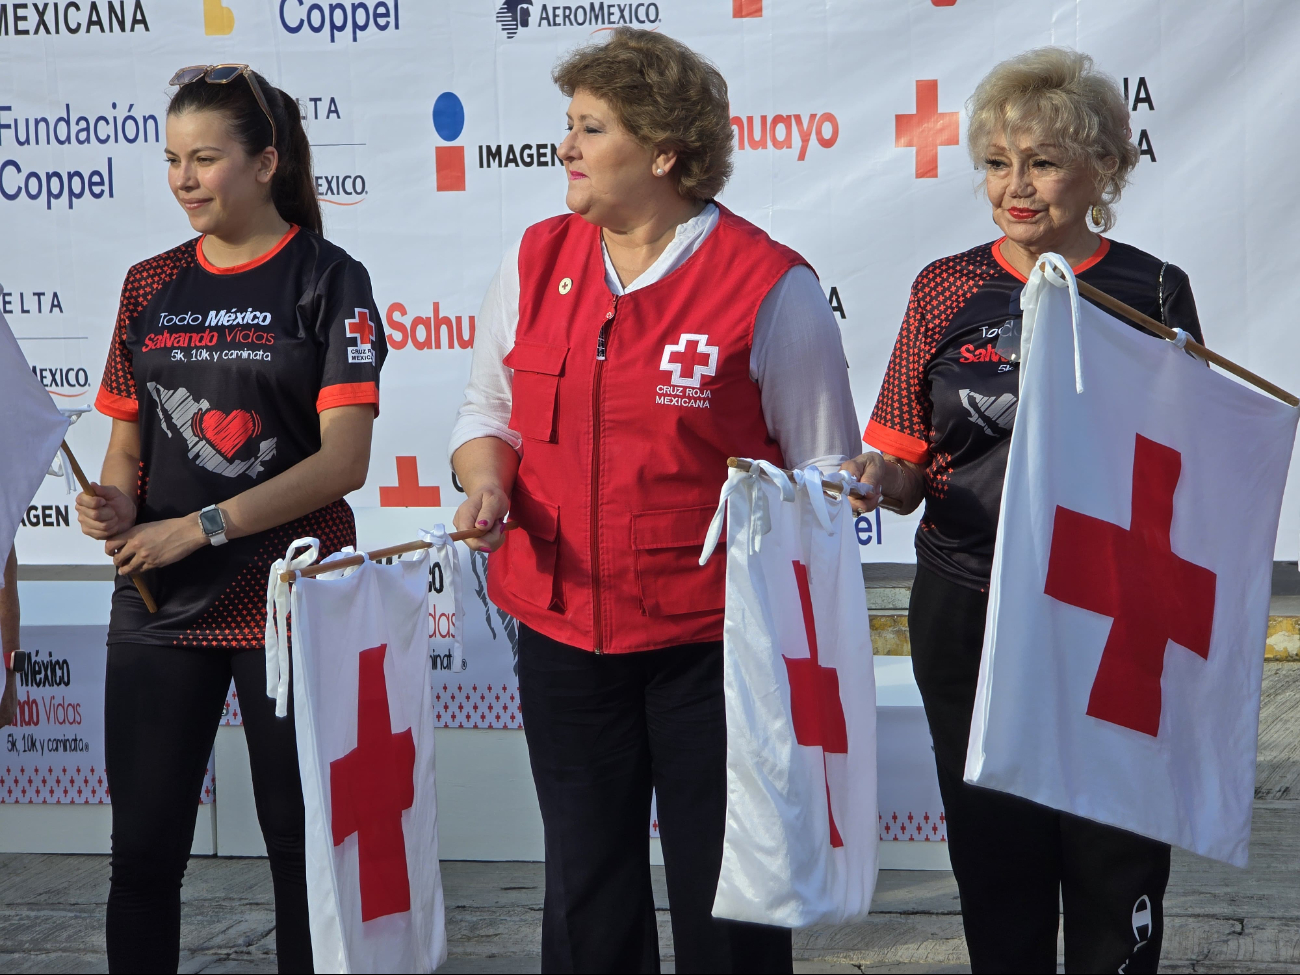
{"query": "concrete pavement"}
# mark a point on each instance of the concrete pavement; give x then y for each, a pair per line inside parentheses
(1218, 918)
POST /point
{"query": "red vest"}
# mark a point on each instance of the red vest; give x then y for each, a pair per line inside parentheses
(629, 407)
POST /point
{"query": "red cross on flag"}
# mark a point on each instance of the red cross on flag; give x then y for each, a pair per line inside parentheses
(802, 825)
(1129, 605)
(363, 713)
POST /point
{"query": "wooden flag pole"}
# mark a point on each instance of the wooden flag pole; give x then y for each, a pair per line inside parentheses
(831, 487)
(1194, 347)
(386, 553)
(80, 475)
(834, 487)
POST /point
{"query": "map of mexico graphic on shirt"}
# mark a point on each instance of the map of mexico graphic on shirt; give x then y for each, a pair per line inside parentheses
(226, 371)
(215, 438)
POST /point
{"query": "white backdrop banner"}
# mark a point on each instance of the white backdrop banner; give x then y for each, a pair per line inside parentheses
(55, 752)
(434, 129)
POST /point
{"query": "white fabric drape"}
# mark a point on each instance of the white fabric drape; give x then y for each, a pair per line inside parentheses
(802, 824)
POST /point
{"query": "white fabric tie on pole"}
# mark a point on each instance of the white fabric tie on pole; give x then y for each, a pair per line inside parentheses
(277, 620)
(1062, 276)
(760, 520)
(61, 466)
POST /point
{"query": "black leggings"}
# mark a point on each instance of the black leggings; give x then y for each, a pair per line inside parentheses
(603, 729)
(1017, 862)
(162, 706)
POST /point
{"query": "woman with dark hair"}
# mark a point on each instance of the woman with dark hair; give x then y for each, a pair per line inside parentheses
(624, 351)
(243, 381)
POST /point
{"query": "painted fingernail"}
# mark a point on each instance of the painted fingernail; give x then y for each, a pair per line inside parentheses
(482, 524)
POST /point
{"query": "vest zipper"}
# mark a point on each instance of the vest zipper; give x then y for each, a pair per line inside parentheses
(602, 341)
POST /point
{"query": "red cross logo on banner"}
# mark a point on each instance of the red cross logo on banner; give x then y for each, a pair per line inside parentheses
(1132, 575)
(369, 788)
(409, 492)
(927, 129)
(689, 367)
(815, 707)
(361, 328)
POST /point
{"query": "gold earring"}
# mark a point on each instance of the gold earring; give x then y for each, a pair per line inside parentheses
(1098, 214)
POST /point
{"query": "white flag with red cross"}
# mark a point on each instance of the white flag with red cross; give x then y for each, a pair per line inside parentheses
(1124, 644)
(801, 828)
(30, 437)
(364, 719)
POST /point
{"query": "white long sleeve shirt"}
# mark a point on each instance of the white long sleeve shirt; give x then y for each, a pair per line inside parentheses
(797, 358)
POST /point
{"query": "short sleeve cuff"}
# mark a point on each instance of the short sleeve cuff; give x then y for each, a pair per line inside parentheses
(118, 407)
(897, 444)
(348, 394)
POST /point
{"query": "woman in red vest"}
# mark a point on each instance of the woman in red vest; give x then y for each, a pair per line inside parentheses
(624, 351)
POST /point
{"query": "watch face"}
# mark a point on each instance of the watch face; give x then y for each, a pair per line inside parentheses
(211, 521)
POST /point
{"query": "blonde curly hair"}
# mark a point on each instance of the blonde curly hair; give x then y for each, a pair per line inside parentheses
(1055, 95)
(666, 96)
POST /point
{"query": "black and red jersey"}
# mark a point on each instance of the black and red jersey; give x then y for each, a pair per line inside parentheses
(226, 370)
(948, 401)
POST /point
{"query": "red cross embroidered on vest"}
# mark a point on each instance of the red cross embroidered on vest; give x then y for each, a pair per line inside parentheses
(629, 408)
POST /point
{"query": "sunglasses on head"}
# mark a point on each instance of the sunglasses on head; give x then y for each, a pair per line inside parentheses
(223, 74)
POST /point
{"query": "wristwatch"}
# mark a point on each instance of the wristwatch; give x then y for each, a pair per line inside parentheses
(213, 523)
(15, 659)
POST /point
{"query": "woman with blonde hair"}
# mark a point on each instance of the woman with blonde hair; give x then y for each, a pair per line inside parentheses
(624, 351)
(1052, 137)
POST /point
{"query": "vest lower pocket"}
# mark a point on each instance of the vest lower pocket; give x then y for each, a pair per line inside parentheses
(667, 547)
(533, 574)
(535, 389)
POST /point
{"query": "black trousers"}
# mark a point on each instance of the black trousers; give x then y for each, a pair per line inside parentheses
(1017, 862)
(162, 706)
(602, 731)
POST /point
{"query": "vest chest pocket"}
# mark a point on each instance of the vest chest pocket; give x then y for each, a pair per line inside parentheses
(667, 546)
(535, 390)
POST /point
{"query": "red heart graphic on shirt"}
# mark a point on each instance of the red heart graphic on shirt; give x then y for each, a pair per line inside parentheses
(227, 432)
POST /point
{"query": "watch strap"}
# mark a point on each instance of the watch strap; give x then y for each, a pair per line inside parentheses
(215, 538)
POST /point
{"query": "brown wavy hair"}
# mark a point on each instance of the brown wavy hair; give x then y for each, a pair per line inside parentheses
(666, 96)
